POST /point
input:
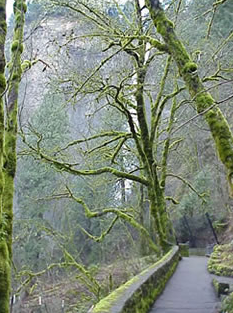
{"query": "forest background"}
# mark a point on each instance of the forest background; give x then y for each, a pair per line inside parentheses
(114, 161)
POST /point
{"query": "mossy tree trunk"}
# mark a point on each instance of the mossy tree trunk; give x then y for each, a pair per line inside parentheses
(205, 104)
(5, 272)
(145, 145)
(149, 163)
(8, 133)
(145, 131)
(9, 165)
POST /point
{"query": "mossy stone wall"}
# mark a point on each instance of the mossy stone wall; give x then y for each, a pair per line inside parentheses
(138, 294)
(220, 288)
(219, 260)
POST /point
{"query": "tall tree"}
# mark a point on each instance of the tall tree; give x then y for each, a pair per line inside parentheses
(4, 253)
(205, 104)
(8, 135)
(143, 125)
(31, 193)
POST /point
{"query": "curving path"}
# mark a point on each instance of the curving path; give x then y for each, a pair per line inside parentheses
(189, 290)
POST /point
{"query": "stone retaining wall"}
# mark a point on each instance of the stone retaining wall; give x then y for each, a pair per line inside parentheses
(138, 294)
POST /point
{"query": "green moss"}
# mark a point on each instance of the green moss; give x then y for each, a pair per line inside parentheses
(217, 123)
(25, 7)
(17, 46)
(14, 45)
(18, 18)
(189, 67)
(147, 292)
(26, 65)
(105, 304)
(220, 288)
(21, 47)
(3, 26)
(163, 24)
(2, 83)
(221, 260)
(184, 249)
(20, 6)
(204, 100)
(227, 304)
(223, 139)
(4, 278)
(15, 76)
(9, 65)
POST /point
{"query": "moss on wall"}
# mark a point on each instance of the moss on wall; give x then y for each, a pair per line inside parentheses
(220, 288)
(221, 260)
(139, 293)
(227, 304)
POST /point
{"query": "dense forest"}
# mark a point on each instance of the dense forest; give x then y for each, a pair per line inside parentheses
(116, 144)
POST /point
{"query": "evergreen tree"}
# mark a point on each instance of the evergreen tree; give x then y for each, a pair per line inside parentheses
(36, 181)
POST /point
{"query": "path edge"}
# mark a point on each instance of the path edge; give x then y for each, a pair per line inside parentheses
(139, 293)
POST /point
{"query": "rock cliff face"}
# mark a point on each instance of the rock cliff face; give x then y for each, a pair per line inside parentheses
(62, 59)
(43, 45)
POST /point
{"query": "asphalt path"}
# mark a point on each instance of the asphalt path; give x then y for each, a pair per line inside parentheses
(189, 290)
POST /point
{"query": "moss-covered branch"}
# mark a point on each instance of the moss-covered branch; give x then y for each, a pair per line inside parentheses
(123, 214)
(166, 147)
(188, 70)
(103, 234)
(155, 106)
(97, 136)
(108, 142)
(200, 195)
(97, 69)
(69, 168)
(90, 282)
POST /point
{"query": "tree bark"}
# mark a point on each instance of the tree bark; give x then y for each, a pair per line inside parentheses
(8, 135)
(205, 103)
(5, 272)
(9, 166)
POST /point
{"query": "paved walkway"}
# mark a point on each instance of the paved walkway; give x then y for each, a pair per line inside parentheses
(189, 290)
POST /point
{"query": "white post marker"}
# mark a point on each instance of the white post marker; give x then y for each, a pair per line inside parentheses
(63, 304)
(40, 300)
(14, 299)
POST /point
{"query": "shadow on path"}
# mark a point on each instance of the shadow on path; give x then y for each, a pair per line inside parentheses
(189, 290)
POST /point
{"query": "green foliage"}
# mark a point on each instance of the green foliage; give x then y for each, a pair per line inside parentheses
(191, 204)
(18, 7)
(5, 277)
(17, 46)
(51, 122)
(2, 82)
(3, 225)
(222, 23)
(26, 65)
(220, 261)
(36, 181)
(227, 304)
